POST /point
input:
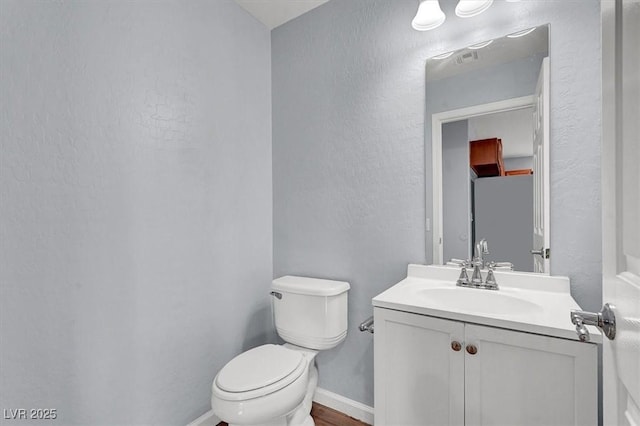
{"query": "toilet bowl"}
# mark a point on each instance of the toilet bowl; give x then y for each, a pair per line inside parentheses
(267, 385)
(273, 385)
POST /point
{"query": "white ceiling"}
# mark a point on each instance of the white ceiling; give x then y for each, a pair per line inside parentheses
(273, 13)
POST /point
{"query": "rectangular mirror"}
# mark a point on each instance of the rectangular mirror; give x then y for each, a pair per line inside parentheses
(488, 106)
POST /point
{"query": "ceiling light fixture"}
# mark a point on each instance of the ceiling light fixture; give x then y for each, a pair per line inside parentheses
(429, 16)
(469, 8)
(521, 33)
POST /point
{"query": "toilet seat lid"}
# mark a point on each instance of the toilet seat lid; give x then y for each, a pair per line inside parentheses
(258, 367)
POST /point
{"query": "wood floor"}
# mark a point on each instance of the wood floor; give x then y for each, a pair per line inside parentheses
(325, 416)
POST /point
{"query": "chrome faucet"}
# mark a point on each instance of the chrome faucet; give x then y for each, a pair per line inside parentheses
(477, 263)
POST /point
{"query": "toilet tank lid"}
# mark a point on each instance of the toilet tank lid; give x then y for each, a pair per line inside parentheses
(309, 286)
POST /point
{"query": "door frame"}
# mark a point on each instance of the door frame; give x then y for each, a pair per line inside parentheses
(437, 120)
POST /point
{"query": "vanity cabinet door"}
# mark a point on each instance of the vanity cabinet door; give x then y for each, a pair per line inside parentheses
(419, 370)
(517, 378)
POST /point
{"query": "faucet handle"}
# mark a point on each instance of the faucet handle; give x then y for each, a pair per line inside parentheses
(463, 279)
(490, 282)
(500, 265)
(459, 262)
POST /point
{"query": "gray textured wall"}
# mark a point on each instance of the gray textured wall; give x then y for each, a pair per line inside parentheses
(135, 213)
(349, 149)
(456, 190)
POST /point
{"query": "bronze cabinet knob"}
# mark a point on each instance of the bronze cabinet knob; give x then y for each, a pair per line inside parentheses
(472, 349)
(456, 346)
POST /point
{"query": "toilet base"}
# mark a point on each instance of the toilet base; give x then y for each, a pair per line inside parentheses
(282, 421)
(301, 416)
(308, 422)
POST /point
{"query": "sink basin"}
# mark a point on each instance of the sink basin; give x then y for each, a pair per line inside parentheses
(528, 302)
(479, 301)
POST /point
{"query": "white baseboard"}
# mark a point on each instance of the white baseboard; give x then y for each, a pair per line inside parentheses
(207, 419)
(345, 405)
(327, 398)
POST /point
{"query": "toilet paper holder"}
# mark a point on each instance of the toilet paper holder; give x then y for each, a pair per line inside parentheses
(367, 325)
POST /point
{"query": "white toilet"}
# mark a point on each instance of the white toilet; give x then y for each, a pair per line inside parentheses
(273, 385)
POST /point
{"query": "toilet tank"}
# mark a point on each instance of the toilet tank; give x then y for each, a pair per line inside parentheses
(310, 312)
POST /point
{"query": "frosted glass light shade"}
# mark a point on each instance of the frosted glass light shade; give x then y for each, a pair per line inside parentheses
(429, 16)
(469, 8)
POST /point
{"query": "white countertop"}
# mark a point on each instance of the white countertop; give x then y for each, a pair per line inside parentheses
(546, 301)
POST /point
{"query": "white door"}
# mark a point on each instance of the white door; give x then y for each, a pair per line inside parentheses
(621, 208)
(540, 170)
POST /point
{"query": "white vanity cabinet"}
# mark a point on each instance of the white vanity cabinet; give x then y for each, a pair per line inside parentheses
(493, 377)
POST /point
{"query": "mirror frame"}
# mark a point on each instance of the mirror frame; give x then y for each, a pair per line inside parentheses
(437, 120)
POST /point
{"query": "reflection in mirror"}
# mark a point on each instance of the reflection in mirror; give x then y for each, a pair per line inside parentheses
(488, 106)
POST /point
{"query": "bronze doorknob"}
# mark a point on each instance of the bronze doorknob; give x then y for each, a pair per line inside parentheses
(472, 349)
(456, 346)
